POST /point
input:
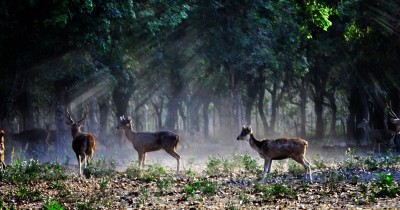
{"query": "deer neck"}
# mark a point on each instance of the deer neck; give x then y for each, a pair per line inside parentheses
(254, 142)
(129, 134)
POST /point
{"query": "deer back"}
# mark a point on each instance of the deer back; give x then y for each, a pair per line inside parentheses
(84, 143)
(284, 147)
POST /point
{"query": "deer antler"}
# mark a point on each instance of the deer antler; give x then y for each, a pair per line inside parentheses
(69, 117)
(85, 112)
(391, 112)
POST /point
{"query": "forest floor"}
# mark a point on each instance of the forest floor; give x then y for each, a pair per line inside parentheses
(210, 178)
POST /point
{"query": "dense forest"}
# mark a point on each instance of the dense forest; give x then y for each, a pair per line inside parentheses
(308, 68)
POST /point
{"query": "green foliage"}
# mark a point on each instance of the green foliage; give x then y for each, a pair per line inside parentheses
(250, 164)
(276, 191)
(386, 186)
(103, 167)
(319, 162)
(24, 192)
(203, 186)
(52, 204)
(31, 171)
(214, 165)
(320, 13)
(164, 182)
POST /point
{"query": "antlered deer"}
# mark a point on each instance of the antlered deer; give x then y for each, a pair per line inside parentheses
(83, 144)
(277, 149)
(2, 150)
(144, 142)
(377, 136)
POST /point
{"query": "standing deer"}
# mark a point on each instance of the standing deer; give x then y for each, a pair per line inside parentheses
(2, 150)
(277, 149)
(35, 139)
(144, 142)
(83, 144)
(377, 136)
(394, 120)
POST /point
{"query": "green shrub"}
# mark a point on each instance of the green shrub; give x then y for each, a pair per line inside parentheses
(250, 164)
(52, 204)
(214, 165)
(386, 186)
(271, 192)
(203, 186)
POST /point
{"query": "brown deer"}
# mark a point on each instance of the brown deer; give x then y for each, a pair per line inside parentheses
(83, 144)
(144, 142)
(377, 136)
(277, 149)
(2, 150)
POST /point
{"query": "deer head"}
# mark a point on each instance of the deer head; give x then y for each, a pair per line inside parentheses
(76, 126)
(244, 134)
(124, 122)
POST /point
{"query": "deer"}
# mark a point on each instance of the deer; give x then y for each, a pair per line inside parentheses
(144, 142)
(377, 136)
(394, 120)
(30, 140)
(277, 149)
(2, 150)
(83, 144)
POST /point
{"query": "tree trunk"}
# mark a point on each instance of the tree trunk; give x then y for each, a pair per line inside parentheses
(206, 119)
(319, 123)
(303, 112)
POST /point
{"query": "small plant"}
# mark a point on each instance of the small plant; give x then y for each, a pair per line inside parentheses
(250, 164)
(163, 183)
(24, 193)
(103, 167)
(333, 179)
(352, 161)
(86, 205)
(132, 171)
(52, 204)
(386, 186)
(213, 165)
(103, 183)
(319, 162)
(294, 168)
(152, 172)
(271, 192)
(203, 185)
(371, 164)
(58, 186)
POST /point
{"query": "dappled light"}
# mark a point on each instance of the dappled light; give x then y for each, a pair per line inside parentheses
(199, 104)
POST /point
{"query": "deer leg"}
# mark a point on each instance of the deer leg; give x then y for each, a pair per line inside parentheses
(140, 159)
(176, 156)
(307, 166)
(267, 163)
(79, 163)
(269, 167)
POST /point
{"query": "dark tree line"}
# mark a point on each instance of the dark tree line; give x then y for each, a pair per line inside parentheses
(308, 68)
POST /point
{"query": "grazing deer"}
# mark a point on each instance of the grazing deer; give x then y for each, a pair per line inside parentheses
(30, 140)
(144, 142)
(83, 144)
(2, 150)
(277, 149)
(377, 136)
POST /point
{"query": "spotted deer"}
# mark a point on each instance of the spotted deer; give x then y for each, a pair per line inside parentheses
(2, 150)
(277, 149)
(144, 142)
(83, 144)
(377, 136)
